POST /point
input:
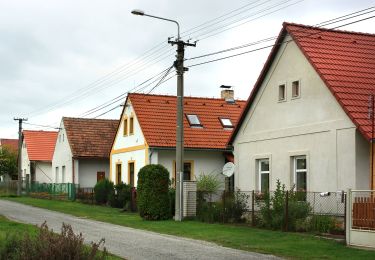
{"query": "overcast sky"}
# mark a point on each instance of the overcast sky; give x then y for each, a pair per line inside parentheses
(54, 54)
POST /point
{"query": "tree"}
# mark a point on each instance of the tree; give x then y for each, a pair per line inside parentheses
(8, 161)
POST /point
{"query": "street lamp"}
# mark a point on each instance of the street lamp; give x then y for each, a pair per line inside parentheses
(179, 65)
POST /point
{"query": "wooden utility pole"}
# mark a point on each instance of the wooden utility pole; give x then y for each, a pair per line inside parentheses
(20, 139)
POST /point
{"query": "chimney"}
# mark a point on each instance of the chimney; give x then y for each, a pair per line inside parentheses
(227, 93)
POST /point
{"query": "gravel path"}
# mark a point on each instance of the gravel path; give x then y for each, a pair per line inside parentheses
(126, 242)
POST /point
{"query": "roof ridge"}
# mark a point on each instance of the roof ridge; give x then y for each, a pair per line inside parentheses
(173, 96)
(81, 118)
(285, 24)
(39, 131)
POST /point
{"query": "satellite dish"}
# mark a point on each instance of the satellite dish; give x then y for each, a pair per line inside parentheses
(228, 169)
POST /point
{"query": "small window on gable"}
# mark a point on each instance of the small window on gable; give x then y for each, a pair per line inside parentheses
(194, 120)
(131, 125)
(126, 126)
(296, 89)
(226, 122)
(282, 95)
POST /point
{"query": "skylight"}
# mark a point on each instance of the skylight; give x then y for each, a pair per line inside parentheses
(226, 122)
(193, 120)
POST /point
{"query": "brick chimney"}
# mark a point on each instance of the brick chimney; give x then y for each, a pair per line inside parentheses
(227, 93)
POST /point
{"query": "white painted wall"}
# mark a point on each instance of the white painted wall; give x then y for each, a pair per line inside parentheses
(139, 158)
(313, 125)
(43, 172)
(62, 156)
(88, 169)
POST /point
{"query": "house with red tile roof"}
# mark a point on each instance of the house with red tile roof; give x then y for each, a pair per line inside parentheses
(37, 152)
(306, 120)
(9, 143)
(146, 134)
(82, 150)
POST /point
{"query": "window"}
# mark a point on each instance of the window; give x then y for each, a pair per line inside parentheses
(226, 123)
(131, 125)
(125, 127)
(194, 120)
(100, 176)
(296, 89)
(56, 174)
(131, 173)
(118, 173)
(63, 174)
(264, 175)
(282, 96)
(188, 171)
(300, 173)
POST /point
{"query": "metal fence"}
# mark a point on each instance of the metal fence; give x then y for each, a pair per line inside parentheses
(61, 191)
(86, 195)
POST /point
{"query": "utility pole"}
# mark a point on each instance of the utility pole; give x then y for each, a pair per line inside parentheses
(371, 107)
(19, 183)
(179, 65)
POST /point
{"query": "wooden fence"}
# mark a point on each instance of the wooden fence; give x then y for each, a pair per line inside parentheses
(364, 213)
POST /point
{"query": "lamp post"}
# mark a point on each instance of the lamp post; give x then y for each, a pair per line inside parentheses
(179, 65)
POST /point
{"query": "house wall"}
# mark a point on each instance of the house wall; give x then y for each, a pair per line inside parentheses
(62, 156)
(43, 172)
(88, 168)
(127, 148)
(313, 125)
(207, 162)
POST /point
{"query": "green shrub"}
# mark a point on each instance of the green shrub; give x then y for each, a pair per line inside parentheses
(235, 205)
(120, 196)
(48, 245)
(321, 224)
(209, 212)
(272, 208)
(102, 191)
(152, 192)
(172, 200)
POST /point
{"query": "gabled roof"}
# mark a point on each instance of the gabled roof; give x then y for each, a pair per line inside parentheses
(157, 117)
(10, 143)
(40, 145)
(344, 60)
(90, 138)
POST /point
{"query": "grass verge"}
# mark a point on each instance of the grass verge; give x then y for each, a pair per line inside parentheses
(290, 245)
(10, 227)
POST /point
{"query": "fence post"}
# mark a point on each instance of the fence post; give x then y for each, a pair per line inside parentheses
(344, 197)
(252, 208)
(223, 213)
(286, 210)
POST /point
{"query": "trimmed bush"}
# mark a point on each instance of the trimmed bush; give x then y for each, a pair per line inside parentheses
(102, 191)
(152, 193)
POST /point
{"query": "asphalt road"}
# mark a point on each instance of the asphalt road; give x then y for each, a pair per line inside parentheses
(126, 242)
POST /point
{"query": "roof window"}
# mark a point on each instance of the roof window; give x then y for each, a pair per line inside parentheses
(226, 122)
(194, 120)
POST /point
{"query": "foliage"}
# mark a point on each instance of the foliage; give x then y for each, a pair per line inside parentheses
(209, 212)
(120, 196)
(152, 192)
(102, 191)
(235, 205)
(209, 183)
(273, 208)
(48, 245)
(172, 200)
(8, 161)
(322, 224)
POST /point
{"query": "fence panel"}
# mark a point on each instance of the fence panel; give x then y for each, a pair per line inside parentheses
(60, 191)
(363, 210)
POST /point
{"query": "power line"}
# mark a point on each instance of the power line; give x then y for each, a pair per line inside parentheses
(45, 126)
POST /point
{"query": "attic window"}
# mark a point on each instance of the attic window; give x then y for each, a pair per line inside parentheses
(296, 91)
(226, 123)
(194, 120)
(282, 96)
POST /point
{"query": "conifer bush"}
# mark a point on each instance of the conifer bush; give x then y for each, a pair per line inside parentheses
(153, 198)
(102, 191)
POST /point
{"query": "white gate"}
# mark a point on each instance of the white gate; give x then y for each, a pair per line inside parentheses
(360, 221)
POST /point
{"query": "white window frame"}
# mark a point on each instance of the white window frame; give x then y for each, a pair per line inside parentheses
(295, 170)
(191, 123)
(226, 126)
(299, 89)
(260, 172)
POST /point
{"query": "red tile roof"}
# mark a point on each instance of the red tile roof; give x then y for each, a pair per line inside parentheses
(10, 143)
(157, 117)
(90, 138)
(344, 60)
(40, 145)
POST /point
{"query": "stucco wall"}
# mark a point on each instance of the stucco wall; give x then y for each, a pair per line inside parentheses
(43, 172)
(62, 156)
(313, 125)
(139, 159)
(88, 169)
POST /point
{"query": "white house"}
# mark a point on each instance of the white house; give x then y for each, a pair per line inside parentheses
(306, 120)
(86, 144)
(146, 134)
(37, 151)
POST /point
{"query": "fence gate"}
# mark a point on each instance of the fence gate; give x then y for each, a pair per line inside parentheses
(360, 218)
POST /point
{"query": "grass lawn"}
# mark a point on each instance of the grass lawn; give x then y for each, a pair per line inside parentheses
(290, 245)
(11, 227)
